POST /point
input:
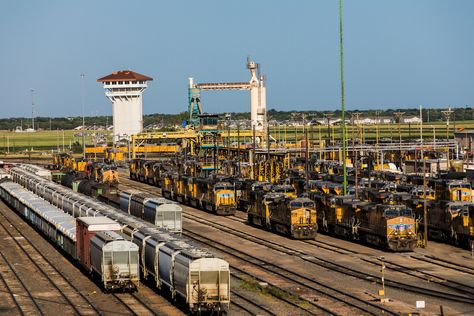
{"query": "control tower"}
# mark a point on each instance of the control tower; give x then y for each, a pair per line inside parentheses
(124, 89)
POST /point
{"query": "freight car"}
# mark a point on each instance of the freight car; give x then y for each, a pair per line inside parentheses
(4, 174)
(115, 260)
(180, 270)
(37, 170)
(293, 217)
(161, 212)
(118, 272)
(77, 205)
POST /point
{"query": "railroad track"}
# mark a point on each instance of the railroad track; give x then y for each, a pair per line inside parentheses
(72, 296)
(310, 284)
(249, 306)
(134, 304)
(238, 273)
(462, 288)
(331, 265)
(445, 263)
(241, 303)
(458, 287)
(19, 293)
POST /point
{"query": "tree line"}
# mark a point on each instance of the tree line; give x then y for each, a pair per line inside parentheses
(169, 120)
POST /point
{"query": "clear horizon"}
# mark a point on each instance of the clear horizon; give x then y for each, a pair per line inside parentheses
(398, 54)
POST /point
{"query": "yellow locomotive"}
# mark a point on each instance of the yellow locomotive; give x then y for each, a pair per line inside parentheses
(280, 213)
(388, 226)
(449, 221)
(212, 194)
(62, 161)
(102, 173)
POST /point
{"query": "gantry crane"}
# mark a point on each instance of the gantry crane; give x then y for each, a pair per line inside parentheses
(257, 96)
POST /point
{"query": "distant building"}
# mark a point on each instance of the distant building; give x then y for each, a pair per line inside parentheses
(372, 120)
(411, 120)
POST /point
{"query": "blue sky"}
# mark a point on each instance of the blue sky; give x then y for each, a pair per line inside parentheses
(397, 53)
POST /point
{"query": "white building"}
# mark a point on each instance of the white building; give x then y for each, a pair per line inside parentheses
(411, 120)
(124, 89)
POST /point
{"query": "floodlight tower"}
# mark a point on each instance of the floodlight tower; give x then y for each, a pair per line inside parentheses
(124, 89)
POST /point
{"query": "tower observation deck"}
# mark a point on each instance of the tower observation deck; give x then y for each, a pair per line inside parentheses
(124, 89)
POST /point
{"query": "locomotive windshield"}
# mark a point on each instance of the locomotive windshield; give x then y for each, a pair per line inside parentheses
(406, 213)
(460, 186)
(296, 204)
(223, 186)
(308, 204)
(391, 213)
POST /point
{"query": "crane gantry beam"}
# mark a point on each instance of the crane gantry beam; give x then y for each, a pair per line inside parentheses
(220, 86)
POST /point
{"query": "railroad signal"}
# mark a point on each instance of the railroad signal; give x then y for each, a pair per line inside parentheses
(383, 299)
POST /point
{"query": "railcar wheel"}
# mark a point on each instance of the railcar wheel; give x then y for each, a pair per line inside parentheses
(455, 238)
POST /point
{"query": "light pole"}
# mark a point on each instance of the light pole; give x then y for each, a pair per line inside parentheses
(32, 108)
(343, 127)
(83, 119)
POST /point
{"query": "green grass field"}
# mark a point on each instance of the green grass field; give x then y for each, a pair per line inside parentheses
(370, 132)
(41, 140)
(46, 141)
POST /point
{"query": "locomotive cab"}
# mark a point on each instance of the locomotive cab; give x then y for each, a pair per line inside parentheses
(401, 233)
(224, 195)
(303, 218)
(460, 191)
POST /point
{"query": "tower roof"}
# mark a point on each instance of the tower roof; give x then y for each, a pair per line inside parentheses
(124, 75)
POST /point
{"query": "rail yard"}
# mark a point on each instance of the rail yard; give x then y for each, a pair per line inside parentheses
(267, 232)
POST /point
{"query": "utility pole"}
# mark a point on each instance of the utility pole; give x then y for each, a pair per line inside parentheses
(447, 115)
(421, 125)
(425, 208)
(238, 145)
(355, 116)
(328, 118)
(399, 115)
(83, 118)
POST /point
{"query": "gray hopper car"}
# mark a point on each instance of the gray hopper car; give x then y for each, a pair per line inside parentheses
(161, 212)
(115, 259)
(194, 275)
(149, 241)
